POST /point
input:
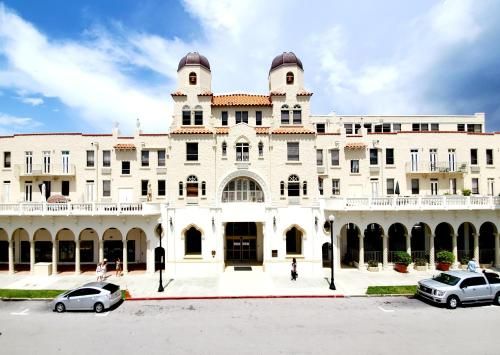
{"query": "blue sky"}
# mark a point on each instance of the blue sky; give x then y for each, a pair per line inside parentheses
(82, 65)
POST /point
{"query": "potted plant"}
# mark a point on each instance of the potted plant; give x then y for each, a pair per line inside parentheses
(466, 192)
(401, 259)
(444, 258)
(372, 265)
(420, 264)
(463, 262)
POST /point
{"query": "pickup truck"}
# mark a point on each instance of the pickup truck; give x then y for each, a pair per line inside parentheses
(461, 287)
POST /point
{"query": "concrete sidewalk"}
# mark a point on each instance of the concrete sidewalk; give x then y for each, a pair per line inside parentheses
(255, 283)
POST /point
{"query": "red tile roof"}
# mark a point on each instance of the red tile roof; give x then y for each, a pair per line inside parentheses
(222, 130)
(262, 130)
(178, 93)
(191, 130)
(304, 93)
(355, 145)
(241, 100)
(124, 146)
(292, 130)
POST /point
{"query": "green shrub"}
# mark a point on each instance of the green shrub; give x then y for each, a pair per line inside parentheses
(420, 262)
(466, 192)
(402, 257)
(465, 260)
(445, 256)
(372, 263)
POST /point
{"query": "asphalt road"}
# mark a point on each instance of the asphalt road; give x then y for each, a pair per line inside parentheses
(260, 326)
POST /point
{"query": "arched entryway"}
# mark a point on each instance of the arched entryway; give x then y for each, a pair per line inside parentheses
(112, 247)
(420, 244)
(192, 241)
(4, 250)
(22, 253)
(487, 233)
(66, 250)
(43, 246)
(397, 240)
(136, 250)
(294, 243)
(443, 237)
(465, 242)
(241, 242)
(349, 244)
(373, 243)
(88, 241)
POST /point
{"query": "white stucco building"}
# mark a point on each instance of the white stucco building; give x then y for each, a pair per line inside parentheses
(251, 179)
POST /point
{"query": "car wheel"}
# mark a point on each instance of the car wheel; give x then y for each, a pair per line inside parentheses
(60, 308)
(98, 307)
(452, 302)
(497, 299)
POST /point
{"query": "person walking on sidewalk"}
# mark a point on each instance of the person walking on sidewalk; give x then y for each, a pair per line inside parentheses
(118, 267)
(104, 269)
(294, 270)
(98, 272)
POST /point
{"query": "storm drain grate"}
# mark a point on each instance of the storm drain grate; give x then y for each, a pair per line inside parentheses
(242, 268)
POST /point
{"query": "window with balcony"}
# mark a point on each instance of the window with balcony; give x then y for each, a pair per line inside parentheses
(390, 186)
(354, 166)
(186, 116)
(473, 156)
(192, 186)
(475, 186)
(224, 118)
(106, 188)
(258, 118)
(125, 167)
(191, 151)
(144, 187)
(335, 157)
(389, 156)
(320, 128)
(293, 185)
(198, 116)
(161, 157)
(6, 160)
(90, 158)
(373, 156)
(106, 158)
(162, 188)
(335, 186)
(415, 186)
(319, 157)
(297, 114)
(285, 114)
(242, 152)
(65, 187)
(491, 187)
(293, 151)
(241, 117)
(489, 156)
(144, 158)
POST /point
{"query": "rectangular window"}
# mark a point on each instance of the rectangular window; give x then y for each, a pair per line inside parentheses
(335, 187)
(319, 157)
(461, 127)
(65, 187)
(424, 126)
(224, 118)
(125, 167)
(297, 116)
(320, 186)
(191, 151)
(106, 158)
(348, 128)
(434, 126)
(6, 160)
(396, 127)
(162, 190)
(386, 127)
(390, 186)
(473, 156)
(285, 116)
(186, 118)
(320, 128)
(203, 188)
(475, 186)
(241, 117)
(335, 155)
(181, 188)
(415, 186)
(373, 156)
(161, 157)
(389, 156)
(491, 187)
(415, 127)
(198, 118)
(144, 187)
(368, 127)
(90, 158)
(144, 157)
(489, 156)
(293, 151)
(242, 152)
(354, 166)
(378, 128)
(106, 188)
(476, 128)
(258, 118)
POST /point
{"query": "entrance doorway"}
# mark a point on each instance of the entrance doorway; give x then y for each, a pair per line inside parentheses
(241, 242)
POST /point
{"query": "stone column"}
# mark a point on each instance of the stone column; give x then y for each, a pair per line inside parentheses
(385, 251)
(101, 250)
(476, 247)
(150, 262)
(11, 256)
(125, 258)
(408, 243)
(361, 261)
(454, 249)
(32, 256)
(77, 256)
(432, 262)
(54, 257)
(497, 250)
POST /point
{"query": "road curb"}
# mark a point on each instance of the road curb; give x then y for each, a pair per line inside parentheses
(180, 298)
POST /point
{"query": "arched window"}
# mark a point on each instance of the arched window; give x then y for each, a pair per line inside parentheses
(242, 190)
(224, 149)
(304, 188)
(285, 114)
(186, 116)
(294, 241)
(261, 149)
(242, 152)
(297, 114)
(198, 116)
(192, 186)
(289, 78)
(293, 185)
(181, 188)
(282, 188)
(192, 241)
(192, 78)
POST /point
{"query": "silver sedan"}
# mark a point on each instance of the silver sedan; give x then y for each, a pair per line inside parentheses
(96, 296)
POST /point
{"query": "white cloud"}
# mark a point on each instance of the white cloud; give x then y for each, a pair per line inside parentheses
(34, 101)
(8, 123)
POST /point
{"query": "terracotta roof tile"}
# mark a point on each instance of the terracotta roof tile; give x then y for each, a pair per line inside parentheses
(241, 100)
(355, 145)
(222, 130)
(292, 130)
(206, 93)
(304, 93)
(277, 93)
(178, 93)
(262, 130)
(124, 146)
(191, 130)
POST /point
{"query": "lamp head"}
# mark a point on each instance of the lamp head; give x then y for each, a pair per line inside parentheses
(331, 218)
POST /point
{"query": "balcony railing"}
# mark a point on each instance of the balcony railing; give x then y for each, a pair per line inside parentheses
(45, 170)
(436, 168)
(446, 202)
(84, 208)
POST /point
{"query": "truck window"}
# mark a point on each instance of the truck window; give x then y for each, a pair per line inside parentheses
(477, 281)
(447, 279)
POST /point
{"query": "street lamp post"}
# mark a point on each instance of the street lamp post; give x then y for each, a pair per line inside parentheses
(331, 218)
(160, 287)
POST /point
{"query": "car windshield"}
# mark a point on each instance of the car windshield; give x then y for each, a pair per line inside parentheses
(447, 279)
(111, 287)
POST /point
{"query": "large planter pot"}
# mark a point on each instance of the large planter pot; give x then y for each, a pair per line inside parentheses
(401, 267)
(420, 267)
(372, 268)
(443, 266)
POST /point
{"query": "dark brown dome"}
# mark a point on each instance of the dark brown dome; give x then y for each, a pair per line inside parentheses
(286, 58)
(194, 58)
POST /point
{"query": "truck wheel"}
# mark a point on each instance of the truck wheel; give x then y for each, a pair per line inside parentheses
(497, 299)
(452, 302)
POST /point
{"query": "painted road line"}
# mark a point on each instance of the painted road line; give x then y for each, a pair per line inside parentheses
(22, 313)
(103, 314)
(386, 310)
